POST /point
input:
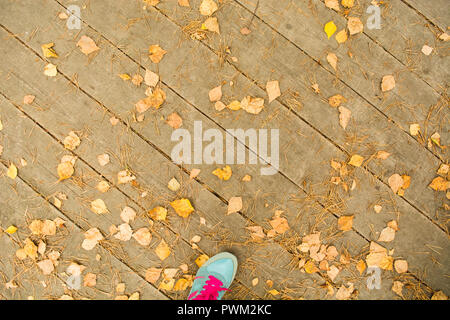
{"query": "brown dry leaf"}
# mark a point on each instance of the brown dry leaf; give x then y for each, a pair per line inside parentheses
(215, 94)
(212, 24)
(124, 177)
(397, 288)
(208, 7)
(50, 70)
(46, 266)
(151, 79)
(124, 232)
(252, 105)
(158, 213)
(333, 4)
(345, 223)
(341, 36)
(156, 53)
(183, 3)
(439, 184)
(155, 100)
(344, 292)
(48, 228)
(356, 160)
(162, 250)
(90, 280)
(143, 236)
(383, 155)
(336, 100)
(87, 45)
(395, 182)
(387, 235)
(280, 225)
(98, 206)
(30, 249)
(174, 120)
(273, 90)
(388, 83)
(223, 174)
(137, 80)
(182, 207)
(401, 266)
(332, 60)
(28, 99)
(103, 159)
(71, 141)
(257, 232)
(355, 25)
(152, 274)
(12, 171)
(103, 186)
(344, 116)
(201, 260)
(128, 214)
(234, 205)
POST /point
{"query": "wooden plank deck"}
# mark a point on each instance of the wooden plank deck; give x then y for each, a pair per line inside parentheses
(287, 43)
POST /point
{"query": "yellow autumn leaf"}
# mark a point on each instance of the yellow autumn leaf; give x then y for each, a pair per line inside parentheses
(65, 170)
(201, 260)
(125, 76)
(166, 284)
(156, 53)
(274, 292)
(348, 3)
(182, 207)
(345, 223)
(361, 266)
(48, 51)
(234, 105)
(181, 285)
(11, 230)
(98, 206)
(158, 213)
(310, 267)
(356, 160)
(439, 184)
(223, 174)
(330, 28)
(12, 171)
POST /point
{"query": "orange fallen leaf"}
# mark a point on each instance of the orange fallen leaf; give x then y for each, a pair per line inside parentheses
(345, 223)
(156, 53)
(87, 45)
(234, 205)
(162, 250)
(174, 120)
(223, 174)
(387, 83)
(182, 207)
(273, 90)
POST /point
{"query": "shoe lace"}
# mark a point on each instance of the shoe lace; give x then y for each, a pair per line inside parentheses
(210, 290)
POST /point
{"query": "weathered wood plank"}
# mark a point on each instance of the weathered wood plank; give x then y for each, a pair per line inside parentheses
(436, 11)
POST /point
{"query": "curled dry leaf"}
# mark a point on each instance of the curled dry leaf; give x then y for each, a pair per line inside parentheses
(87, 45)
(143, 236)
(182, 207)
(273, 90)
(252, 105)
(234, 205)
(156, 53)
(208, 7)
